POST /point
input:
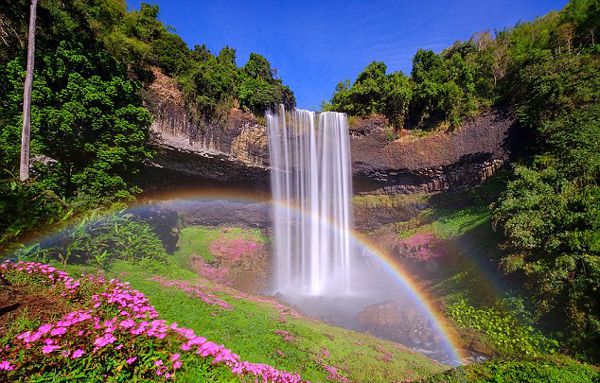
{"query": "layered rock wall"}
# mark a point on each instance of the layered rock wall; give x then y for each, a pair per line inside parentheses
(233, 149)
(383, 161)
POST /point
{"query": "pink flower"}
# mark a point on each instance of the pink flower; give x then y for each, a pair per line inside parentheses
(6, 366)
(47, 349)
(104, 340)
(131, 360)
(175, 357)
(58, 331)
(77, 354)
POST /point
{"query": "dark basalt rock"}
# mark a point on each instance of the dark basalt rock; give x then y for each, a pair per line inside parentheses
(218, 213)
(236, 149)
(440, 161)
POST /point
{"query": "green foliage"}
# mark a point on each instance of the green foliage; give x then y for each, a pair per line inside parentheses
(374, 92)
(100, 241)
(24, 207)
(444, 88)
(460, 82)
(509, 335)
(259, 89)
(550, 218)
(539, 370)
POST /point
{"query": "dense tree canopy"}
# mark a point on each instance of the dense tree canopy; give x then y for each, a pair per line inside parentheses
(89, 126)
(548, 72)
(374, 92)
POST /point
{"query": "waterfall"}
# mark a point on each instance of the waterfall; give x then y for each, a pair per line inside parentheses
(311, 186)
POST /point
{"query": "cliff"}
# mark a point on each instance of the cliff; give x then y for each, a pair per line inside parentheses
(236, 149)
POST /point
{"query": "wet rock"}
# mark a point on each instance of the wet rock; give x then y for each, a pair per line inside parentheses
(395, 321)
(218, 213)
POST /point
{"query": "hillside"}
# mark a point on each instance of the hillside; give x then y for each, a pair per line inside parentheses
(144, 244)
(258, 329)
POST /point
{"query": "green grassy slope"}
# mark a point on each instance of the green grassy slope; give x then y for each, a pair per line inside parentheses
(260, 329)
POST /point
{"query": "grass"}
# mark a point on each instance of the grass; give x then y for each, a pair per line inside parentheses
(249, 327)
(443, 222)
(249, 330)
(450, 223)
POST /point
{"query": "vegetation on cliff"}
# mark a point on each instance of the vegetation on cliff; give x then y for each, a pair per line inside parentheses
(548, 72)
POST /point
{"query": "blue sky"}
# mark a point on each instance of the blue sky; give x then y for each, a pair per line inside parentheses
(316, 44)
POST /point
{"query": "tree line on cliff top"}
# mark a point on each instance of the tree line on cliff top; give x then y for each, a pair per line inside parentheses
(548, 73)
(443, 89)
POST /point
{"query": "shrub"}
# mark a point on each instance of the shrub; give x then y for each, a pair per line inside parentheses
(556, 370)
(100, 241)
(509, 334)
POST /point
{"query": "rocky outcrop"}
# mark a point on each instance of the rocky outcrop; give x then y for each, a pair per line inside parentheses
(236, 149)
(229, 150)
(438, 161)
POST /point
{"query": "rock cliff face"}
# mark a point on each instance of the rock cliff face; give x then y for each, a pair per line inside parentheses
(236, 149)
(439, 161)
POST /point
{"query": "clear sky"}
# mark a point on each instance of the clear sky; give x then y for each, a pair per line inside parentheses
(315, 44)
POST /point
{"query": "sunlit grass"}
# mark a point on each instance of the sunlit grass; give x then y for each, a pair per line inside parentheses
(249, 330)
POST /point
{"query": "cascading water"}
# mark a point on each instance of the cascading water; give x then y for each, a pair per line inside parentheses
(310, 171)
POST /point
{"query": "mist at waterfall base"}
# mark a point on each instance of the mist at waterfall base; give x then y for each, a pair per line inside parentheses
(318, 265)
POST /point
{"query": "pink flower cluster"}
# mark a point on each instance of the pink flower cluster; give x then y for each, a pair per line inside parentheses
(334, 374)
(52, 274)
(421, 246)
(234, 249)
(194, 290)
(218, 274)
(89, 332)
(285, 335)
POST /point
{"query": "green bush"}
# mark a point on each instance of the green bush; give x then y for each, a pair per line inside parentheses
(99, 242)
(25, 207)
(545, 370)
(510, 336)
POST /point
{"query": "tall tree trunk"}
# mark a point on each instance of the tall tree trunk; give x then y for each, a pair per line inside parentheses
(24, 168)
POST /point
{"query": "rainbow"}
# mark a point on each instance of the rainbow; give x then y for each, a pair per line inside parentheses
(426, 303)
(390, 264)
(387, 261)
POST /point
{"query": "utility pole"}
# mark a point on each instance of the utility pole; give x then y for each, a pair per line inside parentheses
(26, 132)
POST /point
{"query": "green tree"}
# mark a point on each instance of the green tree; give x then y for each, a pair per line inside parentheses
(259, 89)
(88, 118)
(550, 213)
(374, 91)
